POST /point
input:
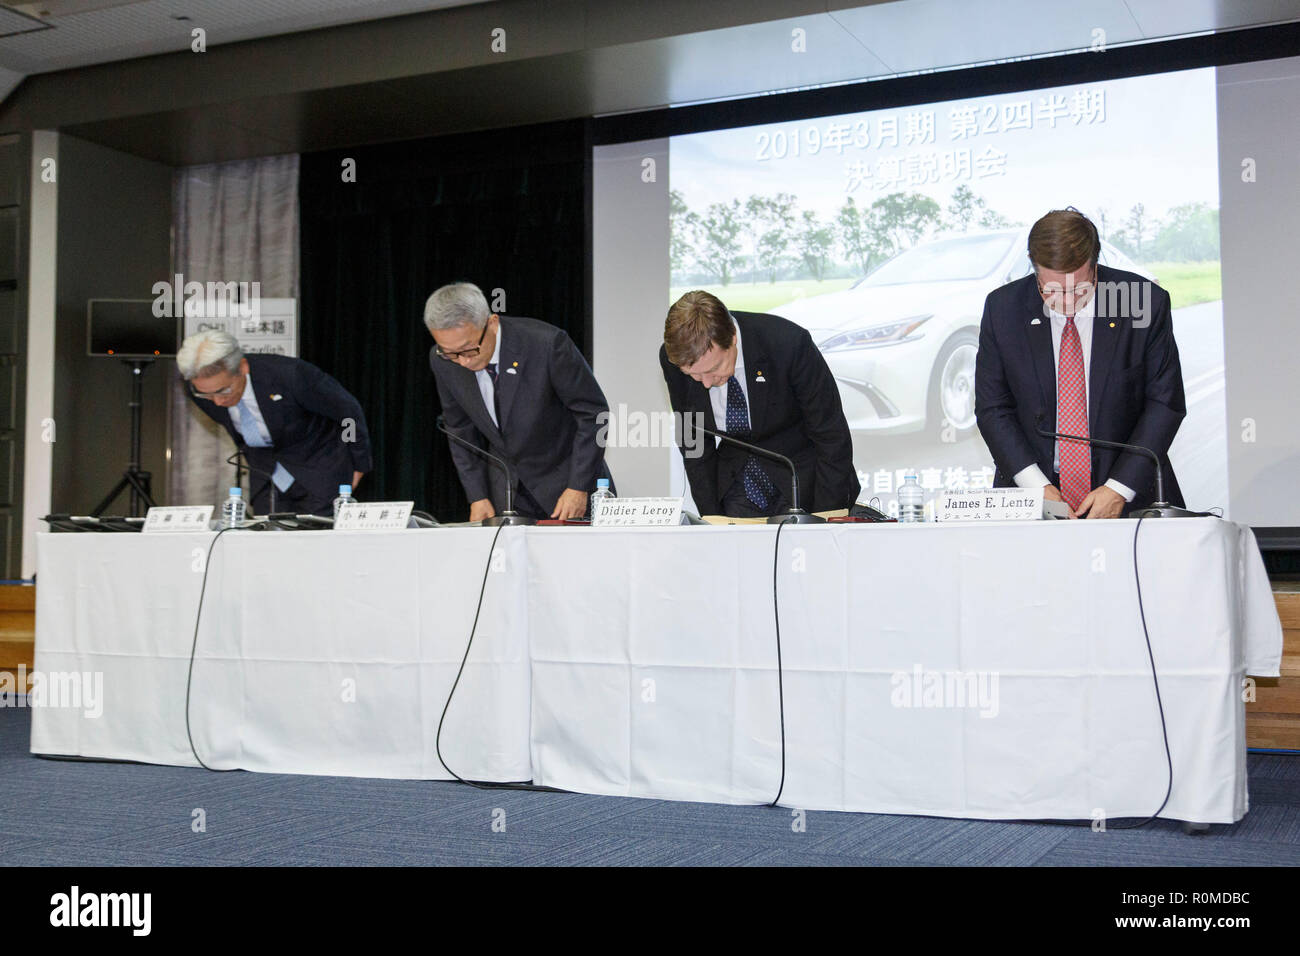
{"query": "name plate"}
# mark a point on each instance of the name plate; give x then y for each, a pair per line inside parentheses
(993, 504)
(636, 512)
(373, 515)
(170, 519)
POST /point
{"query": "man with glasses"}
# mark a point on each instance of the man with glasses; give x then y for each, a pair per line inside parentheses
(1079, 348)
(520, 389)
(298, 428)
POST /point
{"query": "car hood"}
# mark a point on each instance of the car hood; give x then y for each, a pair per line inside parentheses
(825, 315)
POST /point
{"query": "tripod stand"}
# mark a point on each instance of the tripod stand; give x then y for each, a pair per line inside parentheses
(134, 478)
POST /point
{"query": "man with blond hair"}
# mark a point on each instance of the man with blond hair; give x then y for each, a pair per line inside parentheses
(300, 431)
(760, 379)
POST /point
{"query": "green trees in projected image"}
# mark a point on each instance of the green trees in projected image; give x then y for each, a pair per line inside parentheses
(1188, 233)
(769, 239)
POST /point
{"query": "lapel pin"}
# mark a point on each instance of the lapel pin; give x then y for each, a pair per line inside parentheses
(1036, 322)
(275, 397)
(511, 371)
(1112, 325)
(759, 377)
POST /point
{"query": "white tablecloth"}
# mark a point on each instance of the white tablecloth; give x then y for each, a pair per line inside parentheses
(643, 661)
(665, 684)
(326, 653)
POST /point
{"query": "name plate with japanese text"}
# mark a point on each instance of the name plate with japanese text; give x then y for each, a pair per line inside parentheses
(992, 504)
(170, 519)
(373, 515)
(636, 512)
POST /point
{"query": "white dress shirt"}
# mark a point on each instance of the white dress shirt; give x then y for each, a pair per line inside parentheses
(485, 386)
(1032, 476)
(281, 476)
(718, 393)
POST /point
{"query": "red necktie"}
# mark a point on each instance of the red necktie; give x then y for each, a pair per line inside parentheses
(1072, 413)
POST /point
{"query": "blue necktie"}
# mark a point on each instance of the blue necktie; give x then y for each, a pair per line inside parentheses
(758, 486)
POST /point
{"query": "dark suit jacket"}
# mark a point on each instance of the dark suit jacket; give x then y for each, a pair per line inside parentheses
(305, 411)
(795, 411)
(549, 402)
(1135, 384)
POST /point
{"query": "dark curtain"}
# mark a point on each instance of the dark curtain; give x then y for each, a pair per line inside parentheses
(504, 209)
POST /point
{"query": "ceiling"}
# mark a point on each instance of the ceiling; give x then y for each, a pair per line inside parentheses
(39, 37)
(298, 75)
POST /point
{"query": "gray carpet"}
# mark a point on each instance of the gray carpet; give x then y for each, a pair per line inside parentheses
(103, 814)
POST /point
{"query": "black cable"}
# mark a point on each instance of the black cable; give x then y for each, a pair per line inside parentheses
(189, 678)
(1164, 728)
(437, 740)
(780, 681)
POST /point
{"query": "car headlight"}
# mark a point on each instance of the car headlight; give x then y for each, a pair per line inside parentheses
(888, 333)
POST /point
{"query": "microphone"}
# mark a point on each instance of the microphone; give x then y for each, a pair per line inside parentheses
(795, 515)
(509, 516)
(1160, 508)
(270, 479)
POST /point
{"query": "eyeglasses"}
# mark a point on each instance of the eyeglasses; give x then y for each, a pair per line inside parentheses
(1078, 290)
(463, 353)
(210, 396)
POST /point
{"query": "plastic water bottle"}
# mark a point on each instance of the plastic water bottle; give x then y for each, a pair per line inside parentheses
(911, 500)
(602, 493)
(345, 495)
(233, 509)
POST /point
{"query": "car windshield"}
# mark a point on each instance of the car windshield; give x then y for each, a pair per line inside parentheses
(948, 260)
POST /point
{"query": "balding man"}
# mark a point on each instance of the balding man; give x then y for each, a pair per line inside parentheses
(298, 428)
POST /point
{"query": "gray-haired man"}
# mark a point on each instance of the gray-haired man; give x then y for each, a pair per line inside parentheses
(522, 390)
(298, 428)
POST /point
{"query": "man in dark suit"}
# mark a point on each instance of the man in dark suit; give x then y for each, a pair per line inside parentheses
(521, 389)
(298, 428)
(1080, 349)
(760, 378)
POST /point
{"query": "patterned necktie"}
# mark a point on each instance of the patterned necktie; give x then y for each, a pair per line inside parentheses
(496, 392)
(1072, 415)
(758, 486)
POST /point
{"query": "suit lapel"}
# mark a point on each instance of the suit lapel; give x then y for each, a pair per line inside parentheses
(509, 369)
(1038, 330)
(263, 386)
(757, 365)
(1102, 355)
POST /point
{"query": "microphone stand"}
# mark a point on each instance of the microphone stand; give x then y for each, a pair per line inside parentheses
(1160, 508)
(795, 515)
(270, 479)
(509, 515)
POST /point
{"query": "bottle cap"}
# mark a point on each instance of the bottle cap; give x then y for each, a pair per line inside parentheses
(602, 482)
(345, 489)
(237, 492)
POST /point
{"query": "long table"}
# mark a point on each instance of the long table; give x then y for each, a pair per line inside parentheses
(994, 670)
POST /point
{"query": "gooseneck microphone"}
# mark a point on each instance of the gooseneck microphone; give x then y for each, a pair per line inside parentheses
(270, 479)
(1159, 508)
(795, 515)
(508, 516)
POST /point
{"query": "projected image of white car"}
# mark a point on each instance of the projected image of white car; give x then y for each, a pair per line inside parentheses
(901, 341)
